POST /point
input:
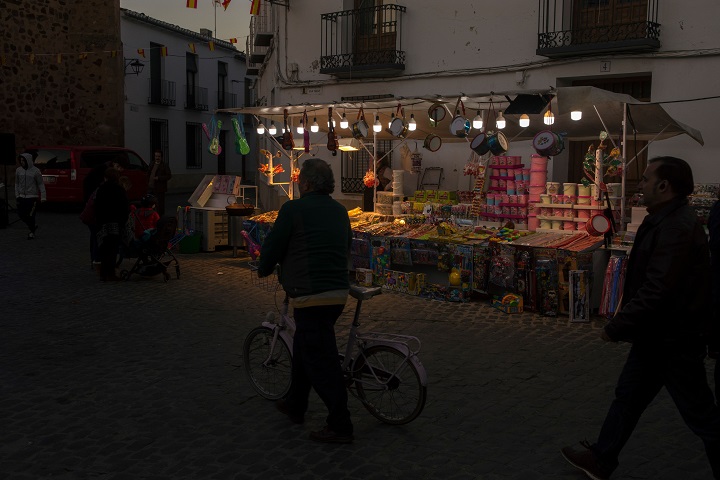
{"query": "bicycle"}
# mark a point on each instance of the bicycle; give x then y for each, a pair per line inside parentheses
(382, 370)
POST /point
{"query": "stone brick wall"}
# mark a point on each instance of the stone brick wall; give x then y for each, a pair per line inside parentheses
(78, 101)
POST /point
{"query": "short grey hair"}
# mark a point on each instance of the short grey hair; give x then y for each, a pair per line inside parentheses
(319, 176)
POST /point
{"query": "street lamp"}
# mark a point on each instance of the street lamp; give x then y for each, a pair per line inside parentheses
(135, 65)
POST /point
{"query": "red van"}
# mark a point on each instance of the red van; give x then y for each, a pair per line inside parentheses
(64, 169)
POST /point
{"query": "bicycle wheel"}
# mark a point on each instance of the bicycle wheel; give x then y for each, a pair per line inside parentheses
(269, 372)
(389, 385)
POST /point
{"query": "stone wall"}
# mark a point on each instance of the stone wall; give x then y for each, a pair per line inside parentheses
(75, 101)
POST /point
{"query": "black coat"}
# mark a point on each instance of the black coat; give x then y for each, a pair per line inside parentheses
(666, 295)
(111, 204)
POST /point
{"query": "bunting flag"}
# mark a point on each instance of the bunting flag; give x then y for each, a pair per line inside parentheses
(233, 40)
(211, 46)
(113, 53)
(141, 52)
(191, 4)
(225, 3)
(255, 7)
(163, 51)
(191, 46)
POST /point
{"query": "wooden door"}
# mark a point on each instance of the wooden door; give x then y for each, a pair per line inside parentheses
(375, 32)
(606, 20)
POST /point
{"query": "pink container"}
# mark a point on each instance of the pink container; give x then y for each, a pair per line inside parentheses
(531, 210)
(569, 225)
(518, 176)
(522, 210)
(583, 214)
(526, 173)
(538, 162)
(582, 226)
(522, 198)
(534, 198)
(568, 213)
(504, 198)
(497, 210)
(503, 172)
(557, 212)
(505, 210)
(502, 183)
(495, 172)
(537, 190)
(494, 182)
(512, 198)
(490, 199)
(533, 223)
(538, 178)
(500, 160)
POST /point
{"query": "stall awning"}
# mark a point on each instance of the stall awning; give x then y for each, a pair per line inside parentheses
(647, 121)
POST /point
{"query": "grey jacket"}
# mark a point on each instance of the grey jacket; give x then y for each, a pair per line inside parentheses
(29, 181)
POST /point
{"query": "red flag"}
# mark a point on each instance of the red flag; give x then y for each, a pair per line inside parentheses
(233, 40)
(255, 7)
(225, 3)
(192, 47)
(141, 52)
(191, 4)
(211, 46)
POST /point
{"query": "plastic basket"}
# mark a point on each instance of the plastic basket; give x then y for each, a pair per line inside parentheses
(269, 283)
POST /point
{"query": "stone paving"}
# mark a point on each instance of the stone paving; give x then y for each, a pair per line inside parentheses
(144, 380)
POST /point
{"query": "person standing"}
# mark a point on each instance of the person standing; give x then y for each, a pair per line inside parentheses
(714, 340)
(311, 241)
(29, 188)
(666, 315)
(111, 212)
(158, 179)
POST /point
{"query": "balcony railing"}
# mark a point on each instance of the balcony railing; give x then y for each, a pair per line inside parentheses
(581, 27)
(162, 92)
(366, 42)
(257, 45)
(226, 100)
(196, 98)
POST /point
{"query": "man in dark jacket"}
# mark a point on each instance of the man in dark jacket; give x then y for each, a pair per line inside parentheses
(311, 241)
(666, 315)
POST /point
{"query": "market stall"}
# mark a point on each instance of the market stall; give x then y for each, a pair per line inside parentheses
(459, 252)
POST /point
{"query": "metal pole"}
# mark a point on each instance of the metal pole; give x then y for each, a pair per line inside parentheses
(624, 165)
(374, 156)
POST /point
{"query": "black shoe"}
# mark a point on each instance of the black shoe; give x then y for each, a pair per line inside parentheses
(283, 408)
(585, 460)
(328, 436)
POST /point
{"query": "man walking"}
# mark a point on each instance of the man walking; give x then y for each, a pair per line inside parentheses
(311, 241)
(666, 315)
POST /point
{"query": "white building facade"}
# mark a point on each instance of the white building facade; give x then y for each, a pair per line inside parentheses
(325, 51)
(176, 94)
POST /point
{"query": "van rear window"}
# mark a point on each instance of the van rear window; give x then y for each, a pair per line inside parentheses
(51, 159)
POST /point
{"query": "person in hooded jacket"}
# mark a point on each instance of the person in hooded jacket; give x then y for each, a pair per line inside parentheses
(29, 188)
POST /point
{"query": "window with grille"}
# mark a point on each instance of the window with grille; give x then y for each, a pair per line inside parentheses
(193, 145)
(354, 165)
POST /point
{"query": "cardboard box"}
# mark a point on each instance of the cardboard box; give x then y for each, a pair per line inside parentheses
(431, 195)
(420, 196)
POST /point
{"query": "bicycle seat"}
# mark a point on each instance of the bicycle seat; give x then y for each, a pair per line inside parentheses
(364, 293)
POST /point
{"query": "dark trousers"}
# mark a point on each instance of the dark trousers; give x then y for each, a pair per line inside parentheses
(94, 254)
(26, 211)
(108, 251)
(316, 365)
(681, 369)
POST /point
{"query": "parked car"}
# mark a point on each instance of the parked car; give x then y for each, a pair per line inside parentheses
(64, 169)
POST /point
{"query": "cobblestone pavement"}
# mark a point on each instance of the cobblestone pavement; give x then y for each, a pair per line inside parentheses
(144, 380)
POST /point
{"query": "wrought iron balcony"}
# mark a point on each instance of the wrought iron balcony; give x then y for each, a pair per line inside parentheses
(583, 27)
(226, 100)
(196, 98)
(366, 42)
(162, 92)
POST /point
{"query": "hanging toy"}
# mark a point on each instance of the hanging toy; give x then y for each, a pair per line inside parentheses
(241, 144)
(214, 146)
(370, 180)
(295, 175)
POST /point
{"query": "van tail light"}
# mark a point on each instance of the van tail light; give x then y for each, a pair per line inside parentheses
(73, 174)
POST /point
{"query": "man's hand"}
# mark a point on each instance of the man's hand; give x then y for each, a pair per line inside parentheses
(605, 336)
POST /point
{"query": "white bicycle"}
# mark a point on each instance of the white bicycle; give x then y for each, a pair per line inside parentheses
(382, 370)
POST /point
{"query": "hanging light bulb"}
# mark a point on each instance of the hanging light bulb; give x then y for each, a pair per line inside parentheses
(412, 124)
(314, 127)
(272, 130)
(377, 126)
(524, 120)
(549, 118)
(477, 121)
(301, 128)
(344, 121)
(500, 121)
(576, 115)
(260, 128)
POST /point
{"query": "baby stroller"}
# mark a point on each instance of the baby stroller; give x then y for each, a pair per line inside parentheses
(153, 251)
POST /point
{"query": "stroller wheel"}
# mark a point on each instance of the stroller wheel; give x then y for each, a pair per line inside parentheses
(124, 274)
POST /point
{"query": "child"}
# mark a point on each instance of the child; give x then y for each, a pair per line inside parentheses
(144, 218)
